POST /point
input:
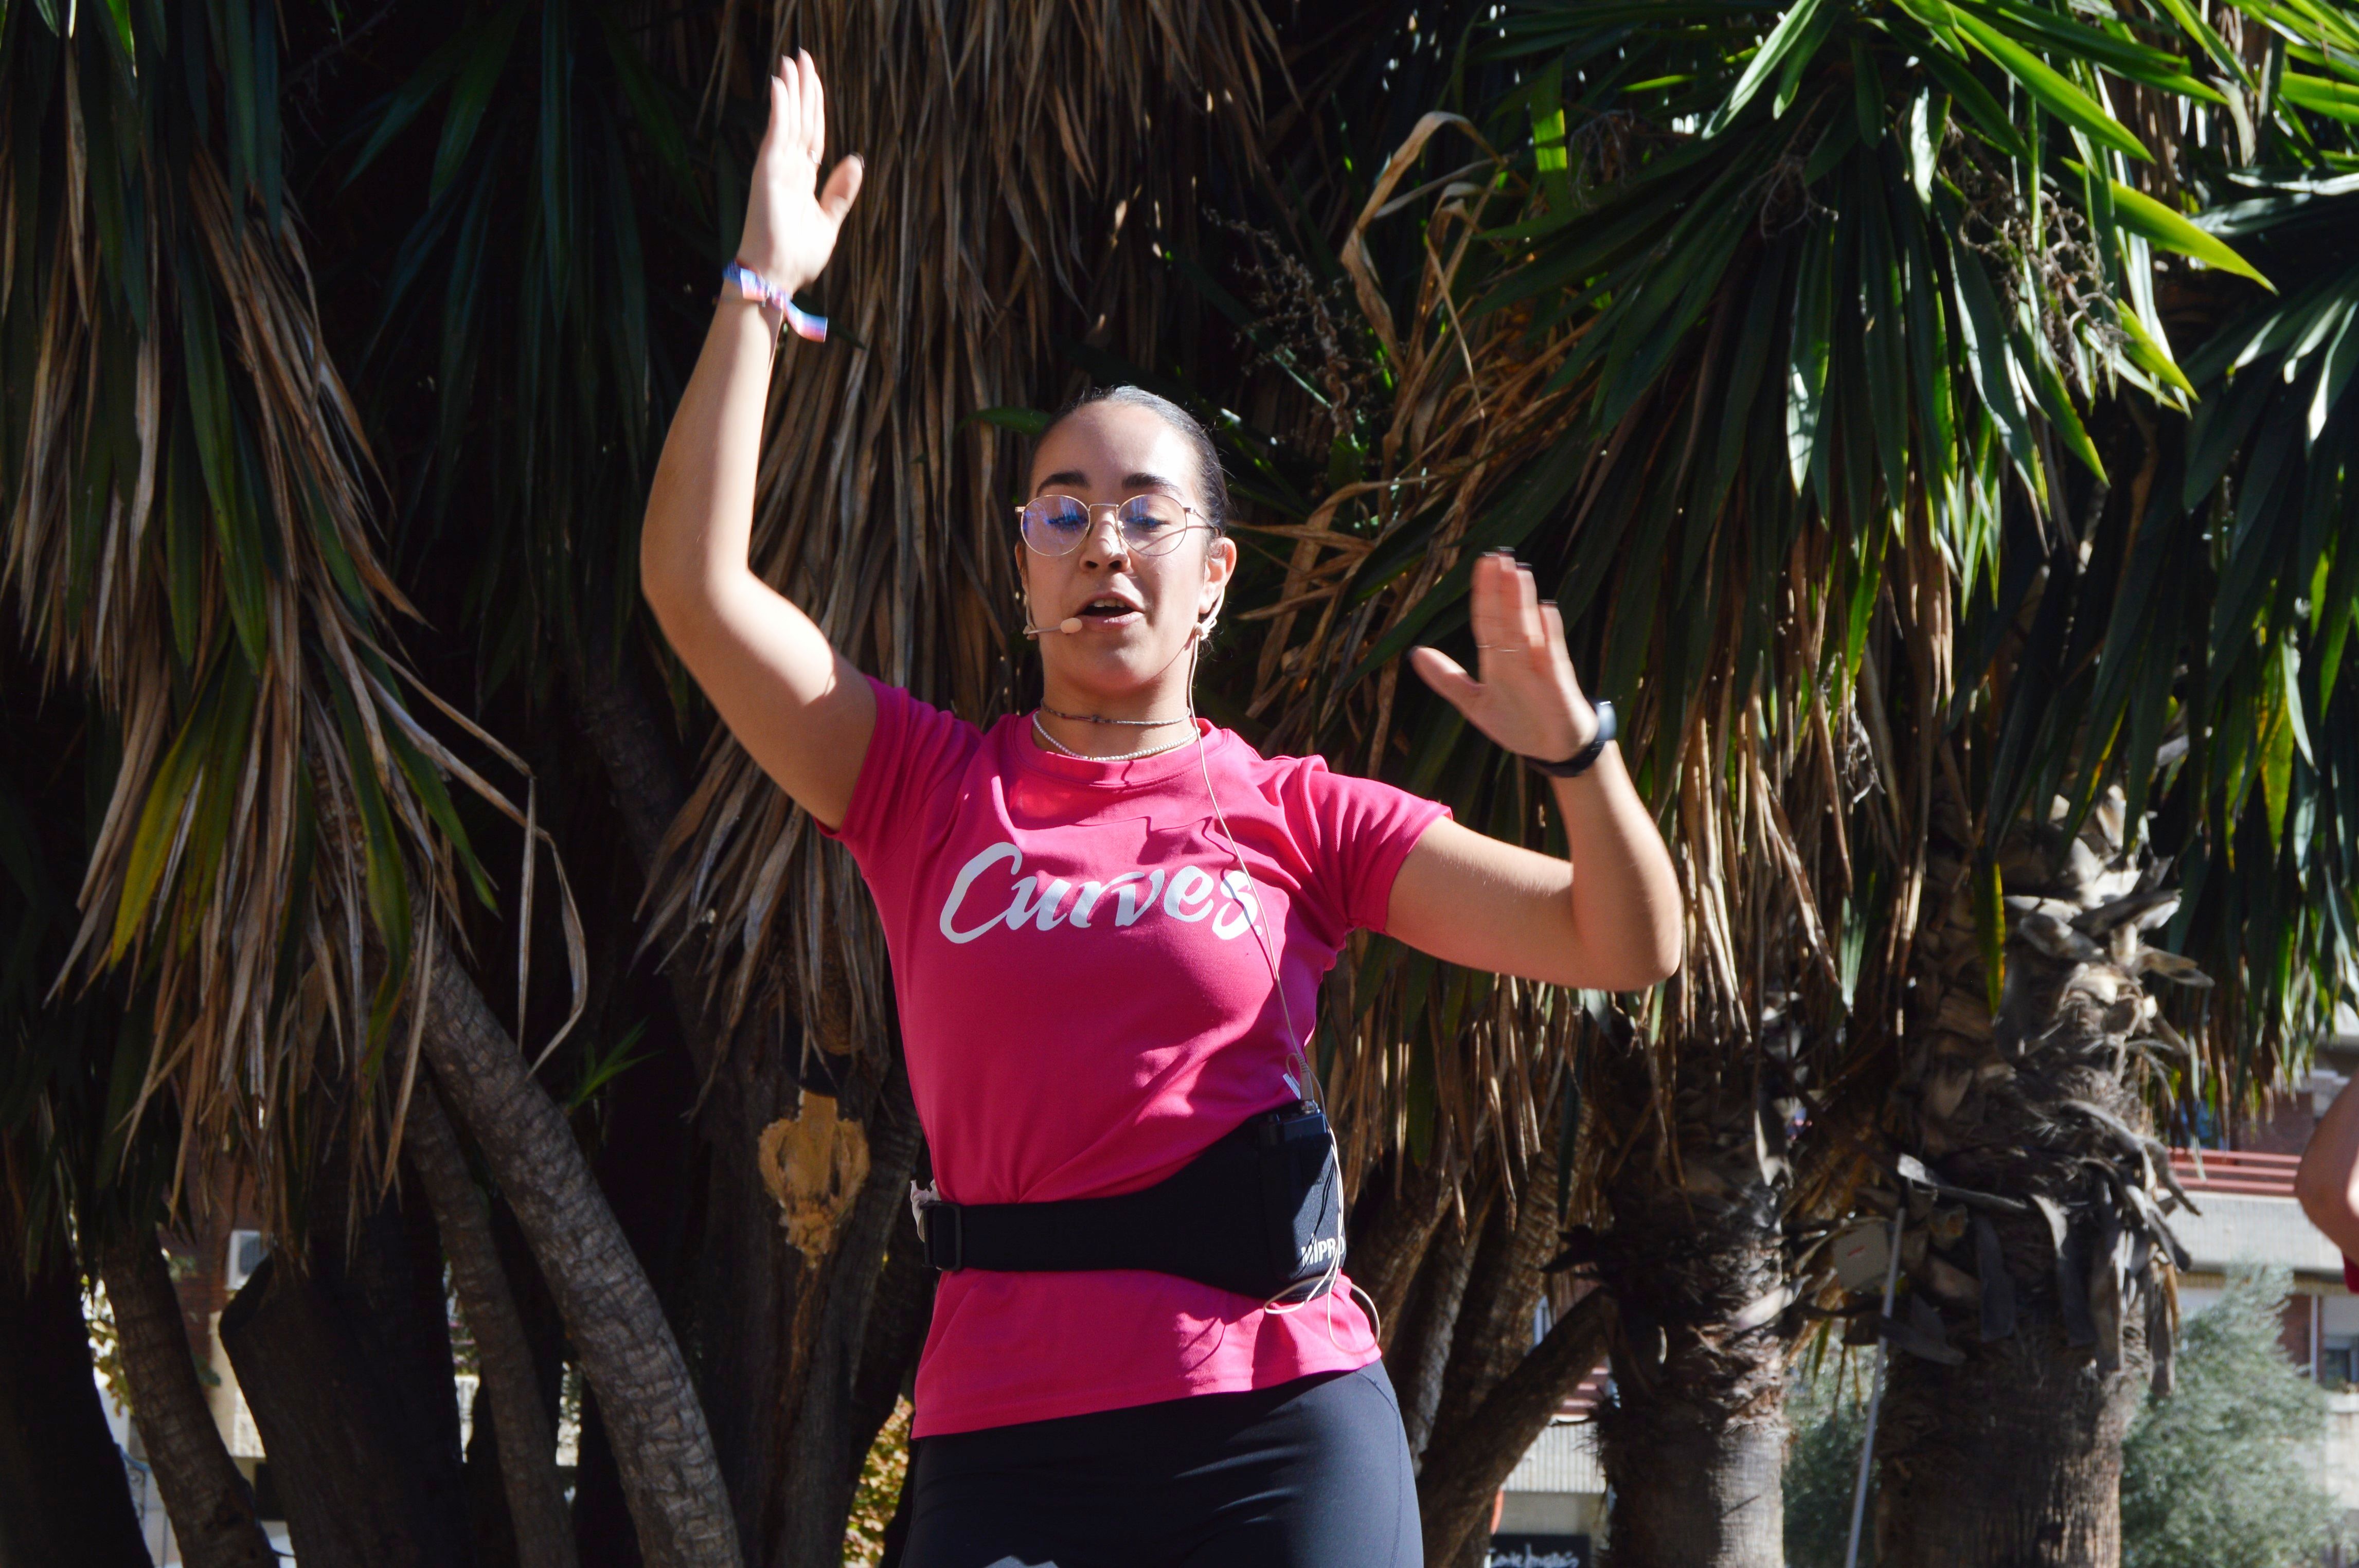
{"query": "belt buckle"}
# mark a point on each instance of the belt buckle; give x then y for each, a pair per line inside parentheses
(926, 1206)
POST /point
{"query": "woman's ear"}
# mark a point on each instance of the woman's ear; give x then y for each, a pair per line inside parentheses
(1220, 566)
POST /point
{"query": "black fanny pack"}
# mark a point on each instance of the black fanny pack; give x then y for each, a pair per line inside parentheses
(1260, 1213)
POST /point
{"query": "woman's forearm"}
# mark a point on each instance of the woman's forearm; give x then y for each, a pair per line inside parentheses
(2328, 1182)
(700, 517)
(1625, 896)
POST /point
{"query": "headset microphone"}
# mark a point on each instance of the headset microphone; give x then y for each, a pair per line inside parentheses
(1069, 624)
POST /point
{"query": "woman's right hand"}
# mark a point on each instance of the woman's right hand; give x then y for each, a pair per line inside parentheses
(791, 223)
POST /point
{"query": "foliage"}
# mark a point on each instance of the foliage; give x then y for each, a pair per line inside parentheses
(2222, 1473)
(881, 1471)
(189, 497)
(1827, 1414)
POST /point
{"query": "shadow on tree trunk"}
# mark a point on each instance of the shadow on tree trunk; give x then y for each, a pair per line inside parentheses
(344, 1359)
(64, 1494)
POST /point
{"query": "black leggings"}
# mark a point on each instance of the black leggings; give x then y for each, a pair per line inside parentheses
(1310, 1474)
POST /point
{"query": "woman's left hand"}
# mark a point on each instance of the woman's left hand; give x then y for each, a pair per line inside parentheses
(1527, 698)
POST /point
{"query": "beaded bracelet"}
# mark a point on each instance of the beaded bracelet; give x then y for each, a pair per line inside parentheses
(752, 285)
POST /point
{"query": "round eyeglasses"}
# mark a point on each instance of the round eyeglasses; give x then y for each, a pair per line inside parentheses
(1149, 524)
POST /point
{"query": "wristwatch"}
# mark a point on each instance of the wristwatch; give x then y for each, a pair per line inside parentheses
(1580, 762)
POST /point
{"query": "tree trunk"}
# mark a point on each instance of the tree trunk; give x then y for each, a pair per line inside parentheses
(1467, 1463)
(63, 1496)
(509, 1393)
(344, 1359)
(1694, 1439)
(1420, 1352)
(662, 1449)
(1500, 1389)
(207, 1499)
(790, 1422)
(2045, 1309)
(829, 1431)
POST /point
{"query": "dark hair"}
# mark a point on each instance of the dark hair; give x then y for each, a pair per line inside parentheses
(1211, 484)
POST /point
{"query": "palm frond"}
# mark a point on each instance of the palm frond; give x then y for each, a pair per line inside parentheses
(1025, 165)
(188, 540)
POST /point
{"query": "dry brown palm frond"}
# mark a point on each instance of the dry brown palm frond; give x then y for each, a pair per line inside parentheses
(189, 496)
(1434, 1059)
(1023, 161)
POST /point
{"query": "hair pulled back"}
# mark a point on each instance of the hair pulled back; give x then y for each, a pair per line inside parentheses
(1211, 483)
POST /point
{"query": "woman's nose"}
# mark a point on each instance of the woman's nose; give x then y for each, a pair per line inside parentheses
(1103, 543)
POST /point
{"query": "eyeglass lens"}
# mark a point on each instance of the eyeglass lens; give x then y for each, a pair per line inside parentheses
(1150, 524)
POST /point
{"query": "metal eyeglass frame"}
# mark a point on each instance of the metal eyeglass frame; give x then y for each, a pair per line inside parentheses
(1163, 546)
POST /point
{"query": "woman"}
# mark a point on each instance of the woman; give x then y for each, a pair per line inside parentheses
(1088, 910)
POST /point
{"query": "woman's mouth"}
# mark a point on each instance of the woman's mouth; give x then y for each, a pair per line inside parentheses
(1109, 611)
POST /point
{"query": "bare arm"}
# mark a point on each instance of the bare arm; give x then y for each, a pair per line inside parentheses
(798, 708)
(1609, 916)
(2328, 1182)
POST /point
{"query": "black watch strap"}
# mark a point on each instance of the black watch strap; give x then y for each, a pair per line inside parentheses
(1580, 762)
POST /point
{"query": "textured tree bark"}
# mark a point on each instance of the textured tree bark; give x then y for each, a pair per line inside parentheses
(828, 1427)
(1467, 1462)
(789, 1422)
(510, 1389)
(63, 1496)
(1498, 1388)
(2012, 1460)
(208, 1501)
(1694, 1440)
(344, 1355)
(1419, 1351)
(662, 1448)
(2010, 1457)
(1392, 1228)
(341, 1442)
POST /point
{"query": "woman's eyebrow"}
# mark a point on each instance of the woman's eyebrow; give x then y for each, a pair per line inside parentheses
(1132, 484)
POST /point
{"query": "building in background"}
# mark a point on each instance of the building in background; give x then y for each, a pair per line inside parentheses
(1552, 1510)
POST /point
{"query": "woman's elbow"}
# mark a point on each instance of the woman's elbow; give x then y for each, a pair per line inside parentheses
(2325, 1198)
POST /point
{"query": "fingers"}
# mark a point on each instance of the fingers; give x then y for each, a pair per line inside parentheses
(843, 186)
(814, 111)
(1446, 676)
(1532, 632)
(1505, 610)
(787, 104)
(782, 111)
(1488, 609)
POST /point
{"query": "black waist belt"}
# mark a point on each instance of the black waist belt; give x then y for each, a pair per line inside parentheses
(1260, 1213)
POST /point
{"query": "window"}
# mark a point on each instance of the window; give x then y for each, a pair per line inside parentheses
(246, 1252)
(2338, 1362)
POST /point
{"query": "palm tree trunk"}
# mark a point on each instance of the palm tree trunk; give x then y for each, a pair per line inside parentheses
(830, 1431)
(1498, 1388)
(1694, 1440)
(63, 1496)
(208, 1501)
(511, 1382)
(2041, 1310)
(1467, 1462)
(661, 1445)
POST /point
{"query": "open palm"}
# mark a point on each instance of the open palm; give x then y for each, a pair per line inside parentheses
(1526, 698)
(790, 222)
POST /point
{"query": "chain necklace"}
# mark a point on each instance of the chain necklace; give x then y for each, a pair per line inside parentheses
(1059, 746)
(1095, 718)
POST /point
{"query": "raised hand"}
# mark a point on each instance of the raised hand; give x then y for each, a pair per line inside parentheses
(1527, 698)
(790, 222)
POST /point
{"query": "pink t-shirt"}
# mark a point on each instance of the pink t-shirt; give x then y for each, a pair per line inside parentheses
(1085, 1008)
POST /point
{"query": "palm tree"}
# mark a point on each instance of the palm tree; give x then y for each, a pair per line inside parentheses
(188, 541)
(1834, 343)
(1770, 526)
